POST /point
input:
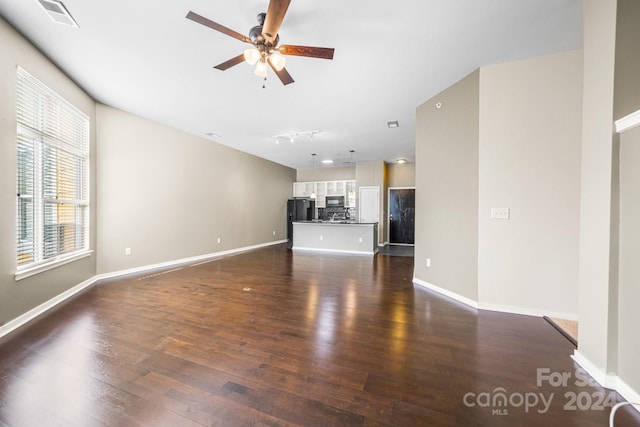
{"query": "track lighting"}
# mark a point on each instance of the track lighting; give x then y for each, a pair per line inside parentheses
(293, 137)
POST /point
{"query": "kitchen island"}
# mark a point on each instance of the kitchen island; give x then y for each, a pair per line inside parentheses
(349, 237)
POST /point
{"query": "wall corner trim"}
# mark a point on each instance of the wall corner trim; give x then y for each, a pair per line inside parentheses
(442, 291)
(30, 315)
(610, 381)
(628, 122)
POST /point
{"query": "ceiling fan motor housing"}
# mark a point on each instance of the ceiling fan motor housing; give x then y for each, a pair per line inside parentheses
(255, 34)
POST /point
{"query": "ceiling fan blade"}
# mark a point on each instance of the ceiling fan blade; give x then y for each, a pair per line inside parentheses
(273, 20)
(230, 63)
(310, 51)
(214, 25)
(283, 74)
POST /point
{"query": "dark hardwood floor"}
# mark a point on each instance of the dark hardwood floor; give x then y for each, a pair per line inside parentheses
(275, 338)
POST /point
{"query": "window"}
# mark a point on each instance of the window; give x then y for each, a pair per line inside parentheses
(52, 176)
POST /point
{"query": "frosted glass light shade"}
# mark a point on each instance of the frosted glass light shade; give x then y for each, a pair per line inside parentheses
(251, 55)
(261, 69)
(277, 60)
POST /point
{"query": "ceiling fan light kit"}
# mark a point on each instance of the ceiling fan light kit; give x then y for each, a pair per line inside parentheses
(264, 38)
(252, 55)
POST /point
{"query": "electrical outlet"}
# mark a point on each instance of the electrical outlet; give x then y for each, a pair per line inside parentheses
(321, 237)
(274, 232)
(359, 239)
(127, 251)
(219, 240)
(500, 213)
(428, 262)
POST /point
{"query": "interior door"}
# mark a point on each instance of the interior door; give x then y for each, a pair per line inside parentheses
(402, 206)
(369, 208)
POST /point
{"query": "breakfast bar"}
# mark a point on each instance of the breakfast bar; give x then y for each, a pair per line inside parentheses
(348, 237)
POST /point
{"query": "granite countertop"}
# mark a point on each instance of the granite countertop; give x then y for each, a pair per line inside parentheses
(336, 222)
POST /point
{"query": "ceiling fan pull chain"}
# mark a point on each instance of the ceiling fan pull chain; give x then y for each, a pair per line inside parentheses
(264, 82)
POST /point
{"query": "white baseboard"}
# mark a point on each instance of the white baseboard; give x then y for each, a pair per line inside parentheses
(333, 251)
(627, 122)
(629, 394)
(44, 307)
(452, 295)
(527, 311)
(495, 307)
(30, 315)
(610, 381)
(188, 260)
(607, 381)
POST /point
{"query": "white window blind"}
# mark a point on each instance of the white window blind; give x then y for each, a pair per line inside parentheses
(52, 175)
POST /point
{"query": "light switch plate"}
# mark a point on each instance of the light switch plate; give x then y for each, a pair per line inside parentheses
(500, 213)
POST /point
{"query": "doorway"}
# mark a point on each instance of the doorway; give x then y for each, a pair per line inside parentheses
(402, 207)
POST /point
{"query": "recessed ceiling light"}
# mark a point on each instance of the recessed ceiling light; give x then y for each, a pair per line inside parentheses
(393, 124)
(212, 135)
(327, 161)
(401, 161)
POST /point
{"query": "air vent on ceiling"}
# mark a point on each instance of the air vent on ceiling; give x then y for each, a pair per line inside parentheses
(58, 12)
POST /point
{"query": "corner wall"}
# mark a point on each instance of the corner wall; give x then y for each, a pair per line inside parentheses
(506, 136)
(446, 179)
(530, 138)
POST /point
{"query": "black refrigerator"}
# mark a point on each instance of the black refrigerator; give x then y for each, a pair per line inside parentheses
(299, 210)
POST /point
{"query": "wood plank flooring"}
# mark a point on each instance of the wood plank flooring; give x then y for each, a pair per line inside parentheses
(276, 338)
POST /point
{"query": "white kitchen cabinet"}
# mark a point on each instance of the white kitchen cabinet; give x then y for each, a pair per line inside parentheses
(346, 188)
(321, 193)
(350, 199)
(303, 189)
(335, 188)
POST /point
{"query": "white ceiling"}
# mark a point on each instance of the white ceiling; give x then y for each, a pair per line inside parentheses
(146, 58)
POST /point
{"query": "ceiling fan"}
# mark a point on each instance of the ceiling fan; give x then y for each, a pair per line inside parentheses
(264, 38)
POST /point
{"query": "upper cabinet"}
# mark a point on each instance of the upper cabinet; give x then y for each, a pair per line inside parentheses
(336, 188)
(303, 189)
(350, 199)
(322, 189)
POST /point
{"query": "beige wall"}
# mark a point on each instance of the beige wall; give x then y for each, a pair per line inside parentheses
(168, 195)
(627, 61)
(446, 181)
(373, 174)
(403, 175)
(597, 317)
(17, 298)
(326, 174)
(506, 136)
(530, 136)
(629, 291)
(627, 100)
(164, 194)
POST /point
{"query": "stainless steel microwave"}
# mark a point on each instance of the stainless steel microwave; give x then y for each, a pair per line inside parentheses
(335, 201)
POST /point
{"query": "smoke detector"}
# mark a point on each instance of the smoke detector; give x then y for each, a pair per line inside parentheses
(58, 13)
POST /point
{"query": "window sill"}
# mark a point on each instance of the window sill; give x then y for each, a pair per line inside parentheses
(40, 268)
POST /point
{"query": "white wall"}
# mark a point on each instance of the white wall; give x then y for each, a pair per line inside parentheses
(529, 161)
